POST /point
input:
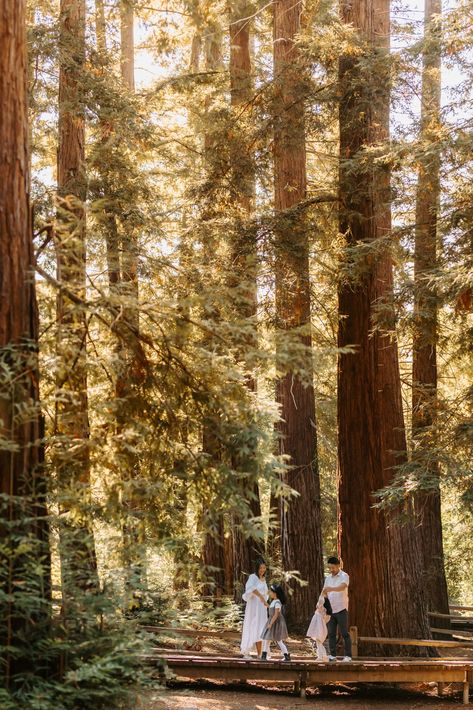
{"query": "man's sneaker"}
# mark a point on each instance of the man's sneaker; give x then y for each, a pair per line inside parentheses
(332, 658)
(247, 657)
(346, 659)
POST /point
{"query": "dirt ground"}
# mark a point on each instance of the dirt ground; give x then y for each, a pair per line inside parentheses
(208, 697)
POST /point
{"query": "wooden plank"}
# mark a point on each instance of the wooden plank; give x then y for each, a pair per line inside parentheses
(354, 640)
(395, 665)
(460, 608)
(390, 676)
(450, 632)
(414, 642)
(455, 617)
(247, 673)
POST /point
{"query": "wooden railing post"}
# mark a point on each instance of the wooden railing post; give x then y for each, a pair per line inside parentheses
(354, 640)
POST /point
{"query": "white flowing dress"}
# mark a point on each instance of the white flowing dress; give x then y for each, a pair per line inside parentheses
(318, 629)
(256, 614)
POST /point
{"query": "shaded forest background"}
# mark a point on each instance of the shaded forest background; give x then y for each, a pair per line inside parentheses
(249, 330)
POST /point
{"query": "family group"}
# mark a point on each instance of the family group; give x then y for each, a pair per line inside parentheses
(264, 620)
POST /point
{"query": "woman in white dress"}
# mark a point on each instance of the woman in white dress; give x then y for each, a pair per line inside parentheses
(256, 615)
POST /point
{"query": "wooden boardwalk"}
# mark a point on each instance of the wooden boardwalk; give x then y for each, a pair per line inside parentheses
(305, 672)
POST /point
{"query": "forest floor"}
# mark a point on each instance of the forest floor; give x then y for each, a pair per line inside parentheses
(234, 697)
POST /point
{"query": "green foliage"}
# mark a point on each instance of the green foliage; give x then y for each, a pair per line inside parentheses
(170, 354)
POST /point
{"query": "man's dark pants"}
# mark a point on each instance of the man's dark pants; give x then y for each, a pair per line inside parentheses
(339, 619)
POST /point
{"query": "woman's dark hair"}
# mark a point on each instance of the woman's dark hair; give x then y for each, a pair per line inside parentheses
(279, 592)
(333, 561)
(258, 564)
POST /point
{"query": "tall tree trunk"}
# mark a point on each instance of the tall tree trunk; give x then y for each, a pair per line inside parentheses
(181, 550)
(78, 560)
(22, 484)
(424, 366)
(127, 44)
(214, 554)
(122, 267)
(130, 373)
(301, 540)
(380, 553)
(243, 257)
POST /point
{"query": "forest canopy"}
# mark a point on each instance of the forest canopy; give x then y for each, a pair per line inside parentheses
(236, 321)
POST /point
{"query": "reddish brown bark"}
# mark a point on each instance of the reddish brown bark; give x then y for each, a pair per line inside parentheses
(130, 373)
(122, 265)
(301, 543)
(23, 510)
(127, 44)
(214, 554)
(243, 258)
(72, 455)
(424, 366)
(380, 554)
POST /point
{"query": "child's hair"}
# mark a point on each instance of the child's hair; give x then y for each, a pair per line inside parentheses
(279, 592)
(333, 561)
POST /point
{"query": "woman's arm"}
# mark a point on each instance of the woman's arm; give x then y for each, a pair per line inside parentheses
(260, 596)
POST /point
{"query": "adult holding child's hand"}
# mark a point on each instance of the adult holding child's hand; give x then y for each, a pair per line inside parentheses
(336, 590)
(256, 615)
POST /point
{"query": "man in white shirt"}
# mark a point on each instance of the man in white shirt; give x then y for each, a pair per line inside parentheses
(336, 589)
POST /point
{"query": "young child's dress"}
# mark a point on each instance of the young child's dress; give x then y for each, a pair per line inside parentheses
(278, 631)
(318, 629)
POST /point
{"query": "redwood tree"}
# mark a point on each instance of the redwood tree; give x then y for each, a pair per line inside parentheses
(78, 560)
(131, 360)
(424, 364)
(23, 525)
(243, 252)
(121, 241)
(301, 544)
(215, 554)
(379, 551)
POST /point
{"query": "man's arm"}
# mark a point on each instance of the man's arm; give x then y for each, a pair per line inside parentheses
(343, 586)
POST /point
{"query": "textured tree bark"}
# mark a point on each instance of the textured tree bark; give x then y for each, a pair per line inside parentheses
(424, 366)
(22, 484)
(301, 543)
(380, 554)
(130, 373)
(72, 455)
(122, 266)
(214, 554)
(127, 44)
(243, 257)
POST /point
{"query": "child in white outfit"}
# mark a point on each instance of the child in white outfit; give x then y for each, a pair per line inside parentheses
(318, 628)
